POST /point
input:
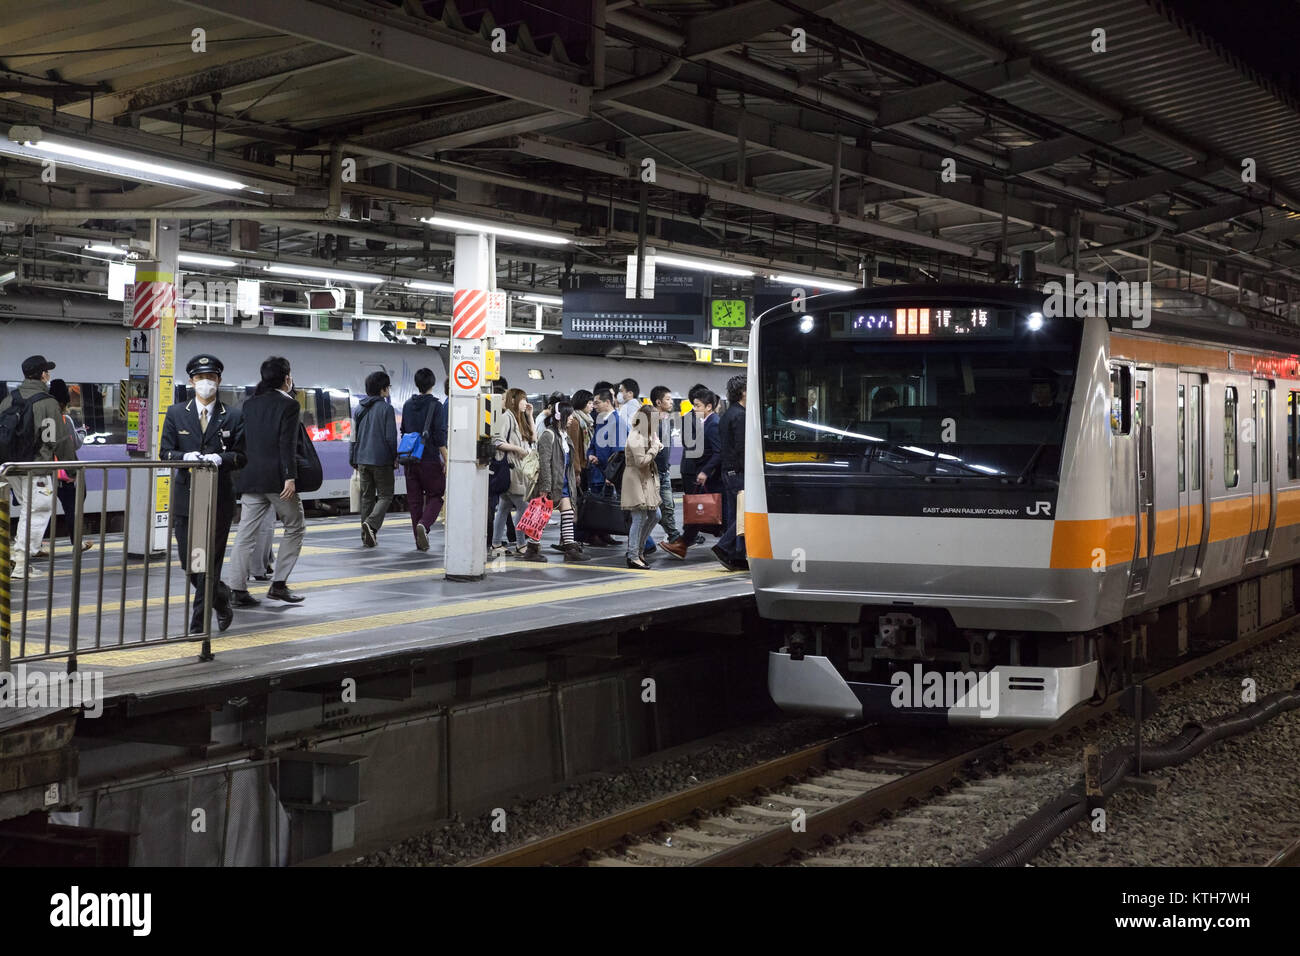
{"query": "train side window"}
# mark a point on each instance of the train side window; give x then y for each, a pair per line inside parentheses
(1194, 436)
(1121, 400)
(1182, 438)
(1264, 435)
(1230, 474)
(1291, 412)
(339, 408)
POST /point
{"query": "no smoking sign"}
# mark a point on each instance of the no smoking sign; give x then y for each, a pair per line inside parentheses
(466, 366)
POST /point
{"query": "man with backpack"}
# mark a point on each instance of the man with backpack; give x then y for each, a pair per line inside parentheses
(32, 429)
(374, 454)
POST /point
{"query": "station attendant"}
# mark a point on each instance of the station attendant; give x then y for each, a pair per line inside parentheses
(203, 428)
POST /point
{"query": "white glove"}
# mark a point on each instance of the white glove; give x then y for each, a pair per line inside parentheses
(214, 458)
(192, 456)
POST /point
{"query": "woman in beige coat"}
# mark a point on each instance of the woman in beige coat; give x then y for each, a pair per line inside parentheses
(640, 491)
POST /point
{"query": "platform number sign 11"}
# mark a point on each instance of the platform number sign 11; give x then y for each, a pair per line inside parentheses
(728, 313)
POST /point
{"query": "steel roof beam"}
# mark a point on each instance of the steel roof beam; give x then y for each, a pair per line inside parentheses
(1271, 236)
(1051, 151)
(722, 29)
(410, 44)
(1134, 190)
(1200, 218)
(923, 100)
(226, 78)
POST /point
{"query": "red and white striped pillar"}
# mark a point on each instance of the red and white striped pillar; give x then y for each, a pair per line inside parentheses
(467, 497)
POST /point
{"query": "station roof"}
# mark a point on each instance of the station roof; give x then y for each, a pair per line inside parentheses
(915, 139)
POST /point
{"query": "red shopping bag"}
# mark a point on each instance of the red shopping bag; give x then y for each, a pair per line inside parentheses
(536, 515)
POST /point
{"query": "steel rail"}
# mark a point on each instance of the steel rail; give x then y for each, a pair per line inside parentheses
(778, 844)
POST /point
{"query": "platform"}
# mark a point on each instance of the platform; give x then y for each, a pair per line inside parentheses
(366, 609)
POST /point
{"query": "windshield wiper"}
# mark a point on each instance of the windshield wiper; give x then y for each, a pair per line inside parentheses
(1032, 464)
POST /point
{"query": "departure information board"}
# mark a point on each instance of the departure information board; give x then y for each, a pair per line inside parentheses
(600, 309)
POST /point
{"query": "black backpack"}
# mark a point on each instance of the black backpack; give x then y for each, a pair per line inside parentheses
(18, 430)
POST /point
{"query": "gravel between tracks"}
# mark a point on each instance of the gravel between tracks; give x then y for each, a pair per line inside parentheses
(582, 801)
(1233, 805)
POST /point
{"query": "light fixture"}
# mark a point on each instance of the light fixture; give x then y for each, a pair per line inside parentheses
(543, 299)
(817, 283)
(7, 277)
(1035, 321)
(105, 161)
(104, 249)
(309, 273)
(195, 259)
(467, 225)
(422, 286)
(702, 265)
(806, 324)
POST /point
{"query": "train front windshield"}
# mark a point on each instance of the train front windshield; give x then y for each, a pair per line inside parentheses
(977, 392)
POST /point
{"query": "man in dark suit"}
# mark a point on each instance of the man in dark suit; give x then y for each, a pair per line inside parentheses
(269, 439)
(204, 429)
(701, 475)
(730, 549)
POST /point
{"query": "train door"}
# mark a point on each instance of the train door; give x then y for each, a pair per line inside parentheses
(1263, 502)
(1191, 461)
(1145, 482)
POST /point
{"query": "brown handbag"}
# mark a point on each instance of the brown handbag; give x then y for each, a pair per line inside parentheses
(702, 510)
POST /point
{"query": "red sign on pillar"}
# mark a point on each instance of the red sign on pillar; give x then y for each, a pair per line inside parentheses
(469, 314)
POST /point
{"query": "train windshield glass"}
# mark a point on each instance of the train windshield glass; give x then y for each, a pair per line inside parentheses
(970, 406)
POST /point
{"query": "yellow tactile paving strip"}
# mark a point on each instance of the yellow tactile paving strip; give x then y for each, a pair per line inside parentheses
(644, 580)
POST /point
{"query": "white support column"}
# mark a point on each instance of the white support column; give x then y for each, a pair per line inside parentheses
(467, 497)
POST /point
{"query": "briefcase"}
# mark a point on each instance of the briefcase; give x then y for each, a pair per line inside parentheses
(601, 512)
(702, 510)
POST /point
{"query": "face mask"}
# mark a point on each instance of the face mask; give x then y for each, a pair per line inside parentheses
(205, 389)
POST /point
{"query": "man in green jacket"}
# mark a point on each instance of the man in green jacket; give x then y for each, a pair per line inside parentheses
(52, 439)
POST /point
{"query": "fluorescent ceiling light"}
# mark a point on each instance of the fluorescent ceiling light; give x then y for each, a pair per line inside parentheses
(104, 249)
(103, 161)
(337, 276)
(194, 259)
(703, 265)
(815, 282)
(422, 286)
(7, 277)
(467, 225)
(543, 299)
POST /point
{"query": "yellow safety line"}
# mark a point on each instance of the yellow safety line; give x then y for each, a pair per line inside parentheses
(374, 622)
(88, 610)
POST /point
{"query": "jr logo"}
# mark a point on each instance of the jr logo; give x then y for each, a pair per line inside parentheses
(1040, 508)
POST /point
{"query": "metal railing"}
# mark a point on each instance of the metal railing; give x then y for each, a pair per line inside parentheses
(39, 627)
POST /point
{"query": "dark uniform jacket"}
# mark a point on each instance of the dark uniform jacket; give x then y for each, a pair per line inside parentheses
(709, 460)
(269, 440)
(181, 434)
(732, 432)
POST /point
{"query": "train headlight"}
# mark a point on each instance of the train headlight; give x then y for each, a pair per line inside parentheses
(1035, 321)
(806, 324)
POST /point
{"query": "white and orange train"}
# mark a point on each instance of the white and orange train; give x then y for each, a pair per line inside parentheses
(963, 507)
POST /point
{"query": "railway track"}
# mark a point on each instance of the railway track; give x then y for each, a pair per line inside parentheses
(749, 817)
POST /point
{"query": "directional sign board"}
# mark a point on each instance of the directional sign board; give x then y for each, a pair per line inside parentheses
(466, 366)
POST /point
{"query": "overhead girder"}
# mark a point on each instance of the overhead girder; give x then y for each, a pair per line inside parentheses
(410, 44)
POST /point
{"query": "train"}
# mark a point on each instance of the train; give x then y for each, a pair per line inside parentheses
(329, 375)
(963, 505)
